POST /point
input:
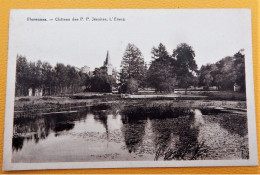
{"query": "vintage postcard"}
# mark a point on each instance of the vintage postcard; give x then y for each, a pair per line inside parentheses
(122, 88)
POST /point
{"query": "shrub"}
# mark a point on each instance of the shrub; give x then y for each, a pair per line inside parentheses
(132, 86)
(24, 99)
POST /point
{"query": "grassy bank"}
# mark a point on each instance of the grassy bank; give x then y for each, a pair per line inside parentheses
(224, 95)
(30, 106)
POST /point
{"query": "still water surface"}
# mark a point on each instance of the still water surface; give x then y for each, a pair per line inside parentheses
(102, 134)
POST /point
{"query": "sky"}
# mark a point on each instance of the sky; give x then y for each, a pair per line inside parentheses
(213, 34)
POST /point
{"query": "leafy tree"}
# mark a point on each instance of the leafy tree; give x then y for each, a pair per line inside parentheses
(48, 78)
(131, 86)
(225, 73)
(52, 81)
(85, 81)
(132, 65)
(101, 81)
(22, 76)
(35, 75)
(205, 76)
(73, 79)
(161, 74)
(61, 77)
(240, 69)
(187, 67)
(231, 70)
(159, 52)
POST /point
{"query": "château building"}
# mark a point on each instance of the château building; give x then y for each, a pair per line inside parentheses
(85, 69)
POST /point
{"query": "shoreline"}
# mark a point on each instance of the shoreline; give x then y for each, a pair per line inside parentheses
(36, 106)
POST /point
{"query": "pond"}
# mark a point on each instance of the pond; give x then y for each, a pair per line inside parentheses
(105, 133)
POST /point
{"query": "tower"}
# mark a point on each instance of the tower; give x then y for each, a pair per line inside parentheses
(108, 66)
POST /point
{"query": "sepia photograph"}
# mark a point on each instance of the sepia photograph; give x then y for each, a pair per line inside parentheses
(129, 88)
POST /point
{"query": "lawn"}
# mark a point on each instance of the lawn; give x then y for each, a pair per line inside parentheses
(38, 105)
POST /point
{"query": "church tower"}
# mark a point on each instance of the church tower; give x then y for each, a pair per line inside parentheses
(107, 64)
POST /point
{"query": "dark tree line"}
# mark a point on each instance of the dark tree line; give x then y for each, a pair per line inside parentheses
(51, 80)
(224, 73)
(179, 70)
(165, 73)
(60, 79)
(168, 71)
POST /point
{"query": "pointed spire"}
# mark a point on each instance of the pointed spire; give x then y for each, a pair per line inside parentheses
(107, 61)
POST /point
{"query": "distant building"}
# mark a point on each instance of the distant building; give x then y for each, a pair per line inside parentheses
(212, 88)
(85, 69)
(107, 65)
(236, 87)
(35, 92)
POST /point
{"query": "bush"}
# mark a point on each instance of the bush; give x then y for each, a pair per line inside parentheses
(24, 99)
(131, 86)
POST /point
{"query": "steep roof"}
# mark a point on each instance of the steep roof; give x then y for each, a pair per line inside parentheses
(107, 61)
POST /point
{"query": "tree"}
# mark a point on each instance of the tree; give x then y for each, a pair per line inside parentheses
(132, 65)
(205, 76)
(57, 80)
(85, 81)
(161, 74)
(35, 75)
(231, 70)
(101, 81)
(187, 67)
(73, 79)
(159, 52)
(22, 76)
(225, 73)
(130, 87)
(48, 79)
(240, 69)
(61, 77)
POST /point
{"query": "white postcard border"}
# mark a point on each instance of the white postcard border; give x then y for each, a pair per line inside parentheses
(9, 111)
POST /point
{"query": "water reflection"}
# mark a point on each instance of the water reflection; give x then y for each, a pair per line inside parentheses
(187, 145)
(234, 124)
(39, 128)
(18, 143)
(131, 133)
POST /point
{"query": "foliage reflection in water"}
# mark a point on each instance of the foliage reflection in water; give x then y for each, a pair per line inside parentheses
(104, 133)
